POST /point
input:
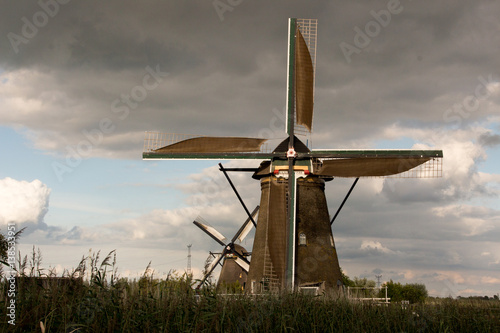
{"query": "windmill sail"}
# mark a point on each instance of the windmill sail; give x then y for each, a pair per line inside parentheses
(214, 145)
(246, 227)
(368, 167)
(212, 232)
(179, 146)
(304, 83)
(234, 255)
(242, 264)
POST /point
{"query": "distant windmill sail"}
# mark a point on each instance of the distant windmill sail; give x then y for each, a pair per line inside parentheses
(235, 269)
(304, 83)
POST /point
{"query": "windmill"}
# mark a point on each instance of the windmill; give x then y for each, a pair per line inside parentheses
(235, 265)
(293, 246)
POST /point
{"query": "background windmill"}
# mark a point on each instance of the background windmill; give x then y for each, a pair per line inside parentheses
(236, 264)
(294, 244)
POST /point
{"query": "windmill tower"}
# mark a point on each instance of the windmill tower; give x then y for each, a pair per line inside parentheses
(294, 245)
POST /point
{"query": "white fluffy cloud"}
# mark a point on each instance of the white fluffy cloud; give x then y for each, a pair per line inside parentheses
(23, 202)
(374, 247)
(463, 152)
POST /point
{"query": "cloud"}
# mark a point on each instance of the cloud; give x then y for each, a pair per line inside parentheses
(65, 80)
(489, 139)
(463, 152)
(209, 196)
(490, 280)
(471, 220)
(24, 203)
(374, 247)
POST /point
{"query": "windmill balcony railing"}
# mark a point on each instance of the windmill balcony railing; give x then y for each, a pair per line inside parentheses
(373, 294)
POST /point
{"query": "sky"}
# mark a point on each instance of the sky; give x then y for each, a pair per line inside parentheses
(81, 82)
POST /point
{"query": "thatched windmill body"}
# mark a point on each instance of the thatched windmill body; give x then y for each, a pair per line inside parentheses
(294, 245)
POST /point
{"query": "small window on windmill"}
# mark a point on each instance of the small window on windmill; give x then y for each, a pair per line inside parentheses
(331, 241)
(312, 291)
(302, 239)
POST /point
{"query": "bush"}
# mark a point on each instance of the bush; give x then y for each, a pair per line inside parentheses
(413, 292)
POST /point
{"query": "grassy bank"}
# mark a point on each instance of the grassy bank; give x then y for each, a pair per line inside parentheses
(102, 302)
(150, 305)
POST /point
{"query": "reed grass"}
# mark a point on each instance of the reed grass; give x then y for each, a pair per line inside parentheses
(105, 303)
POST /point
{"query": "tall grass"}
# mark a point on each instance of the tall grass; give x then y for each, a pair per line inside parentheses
(105, 303)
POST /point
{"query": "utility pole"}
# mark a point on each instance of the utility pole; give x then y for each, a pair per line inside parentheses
(189, 259)
(378, 280)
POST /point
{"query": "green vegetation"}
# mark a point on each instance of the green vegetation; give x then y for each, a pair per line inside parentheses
(5, 241)
(412, 292)
(104, 302)
(396, 292)
(170, 305)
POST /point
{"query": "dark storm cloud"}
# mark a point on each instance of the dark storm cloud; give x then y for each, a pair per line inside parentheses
(231, 72)
(121, 34)
(489, 139)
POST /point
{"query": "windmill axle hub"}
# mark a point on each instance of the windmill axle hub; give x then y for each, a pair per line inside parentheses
(291, 153)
